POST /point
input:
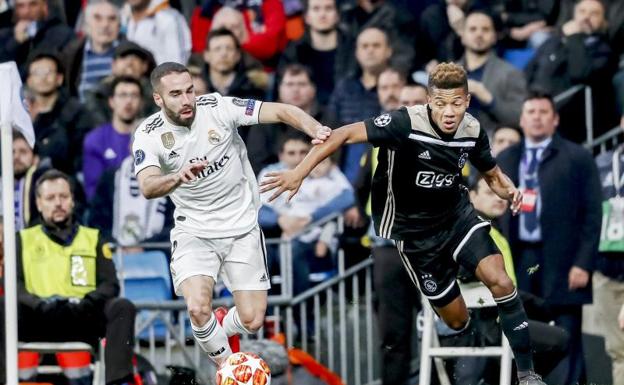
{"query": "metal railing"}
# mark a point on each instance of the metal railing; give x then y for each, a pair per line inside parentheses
(561, 99)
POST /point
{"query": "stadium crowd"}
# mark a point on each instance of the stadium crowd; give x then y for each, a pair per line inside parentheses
(86, 67)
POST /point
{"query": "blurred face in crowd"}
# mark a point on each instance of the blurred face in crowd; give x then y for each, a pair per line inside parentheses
(503, 138)
(590, 14)
(389, 85)
(372, 50)
(479, 34)
(293, 152)
(55, 201)
(176, 96)
(102, 23)
(129, 65)
(322, 15)
(232, 20)
(412, 95)
(448, 107)
(31, 10)
(297, 89)
(23, 157)
(222, 54)
(126, 102)
(199, 84)
(538, 119)
(486, 201)
(43, 77)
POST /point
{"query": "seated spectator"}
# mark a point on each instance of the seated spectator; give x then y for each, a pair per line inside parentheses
(525, 23)
(413, 93)
(324, 48)
(35, 28)
(66, 280)
(199, 83)
(58, 119)
(355, 97)
(578, 54)
(496, 87)
(258, 25)
(390, 83)
(107, 145)
(89, 59)
(123, 215)
(296, 88)
(504, 137)
(129, 60)
(327, 191)
(159, 28)
(224, 70)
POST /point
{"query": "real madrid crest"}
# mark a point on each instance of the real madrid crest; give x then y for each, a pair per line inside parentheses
(168, 140)
(214, 137)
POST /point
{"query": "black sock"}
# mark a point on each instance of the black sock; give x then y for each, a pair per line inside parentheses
(515, 325)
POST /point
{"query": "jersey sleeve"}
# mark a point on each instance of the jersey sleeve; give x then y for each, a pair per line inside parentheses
(389, 129)
(481, 155)
(145, 152)
(241, 112)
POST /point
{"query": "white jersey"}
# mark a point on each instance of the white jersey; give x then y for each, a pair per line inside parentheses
(223, 201)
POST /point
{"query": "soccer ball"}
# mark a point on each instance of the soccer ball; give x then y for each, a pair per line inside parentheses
(244, 369)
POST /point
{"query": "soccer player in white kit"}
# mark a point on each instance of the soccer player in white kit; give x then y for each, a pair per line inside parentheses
(191, 151)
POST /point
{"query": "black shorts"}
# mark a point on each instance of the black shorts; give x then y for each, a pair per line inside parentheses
(432, 262)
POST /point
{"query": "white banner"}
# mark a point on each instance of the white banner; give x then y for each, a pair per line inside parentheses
(12, 110)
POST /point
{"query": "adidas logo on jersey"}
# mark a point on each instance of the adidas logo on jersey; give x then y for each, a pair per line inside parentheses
(523, 325)
(264, 278)
(173, 155)
(424, 155)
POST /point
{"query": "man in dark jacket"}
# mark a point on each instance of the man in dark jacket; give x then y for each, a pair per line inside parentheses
(34, 29)
(555, 237)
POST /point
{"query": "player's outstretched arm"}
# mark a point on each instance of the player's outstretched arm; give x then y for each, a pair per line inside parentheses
(504, 187)
(290, 180)
(155, 185)
(295, 117)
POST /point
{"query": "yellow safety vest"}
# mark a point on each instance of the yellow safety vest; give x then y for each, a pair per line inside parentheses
(503, 246)
(52, 269)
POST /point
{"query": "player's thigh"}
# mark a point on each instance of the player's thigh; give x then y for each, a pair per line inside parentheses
(431, 268)
(192, 257)
(245, 266)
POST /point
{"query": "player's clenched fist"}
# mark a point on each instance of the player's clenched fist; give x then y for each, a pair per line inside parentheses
(189, 172)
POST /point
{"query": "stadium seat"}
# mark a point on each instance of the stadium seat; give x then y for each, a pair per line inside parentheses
(476, 295)
(146, 278)
(519, 58)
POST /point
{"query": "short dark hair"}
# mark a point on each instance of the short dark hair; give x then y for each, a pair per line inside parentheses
(537, 93)
(124, 79)
(292, 135)
(219, 32)
(295, 69)
(165, 69)
(53, 174)
(473, 183)
(49, 55)
(385, 32)
(448, 76)
(306, 5)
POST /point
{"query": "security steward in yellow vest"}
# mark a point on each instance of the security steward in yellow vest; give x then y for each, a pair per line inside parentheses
(67, 283)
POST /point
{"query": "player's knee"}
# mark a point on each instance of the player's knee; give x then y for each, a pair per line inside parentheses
(252, 320)
(456, 324)
(504, 283)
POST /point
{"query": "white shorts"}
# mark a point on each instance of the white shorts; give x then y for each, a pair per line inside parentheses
(241, 260)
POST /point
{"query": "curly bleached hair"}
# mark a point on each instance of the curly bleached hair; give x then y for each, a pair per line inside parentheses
(448, 76)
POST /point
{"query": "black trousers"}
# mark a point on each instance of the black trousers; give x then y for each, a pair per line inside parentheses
(115, 321)
(397, 297)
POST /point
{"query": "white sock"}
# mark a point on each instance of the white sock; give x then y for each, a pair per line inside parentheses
(233, 325)
(212, 340)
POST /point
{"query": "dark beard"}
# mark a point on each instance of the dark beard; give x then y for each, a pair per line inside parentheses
(325, 31)
(127, 121)
(175, 118)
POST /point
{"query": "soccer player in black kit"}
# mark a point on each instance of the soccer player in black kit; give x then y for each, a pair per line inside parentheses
(419, 201)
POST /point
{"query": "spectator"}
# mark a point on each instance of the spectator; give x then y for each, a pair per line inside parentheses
(412, 94)
(259, 26)
(123, 215)
(608, 278)
(129, 60)
(199, 83)
(162, 30)
(58, 119)
(325, 193)
(6, 14)
(296, 88)
(66, 276)
(525, 23)
(224, 70)
(89, 59)
(504, 137)
(355, 97)
(108, 145)
(579, 54)
(398, 23)
(497, 88)
(35, 29)
(555, 237)
(390, 83)
(325, 48)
